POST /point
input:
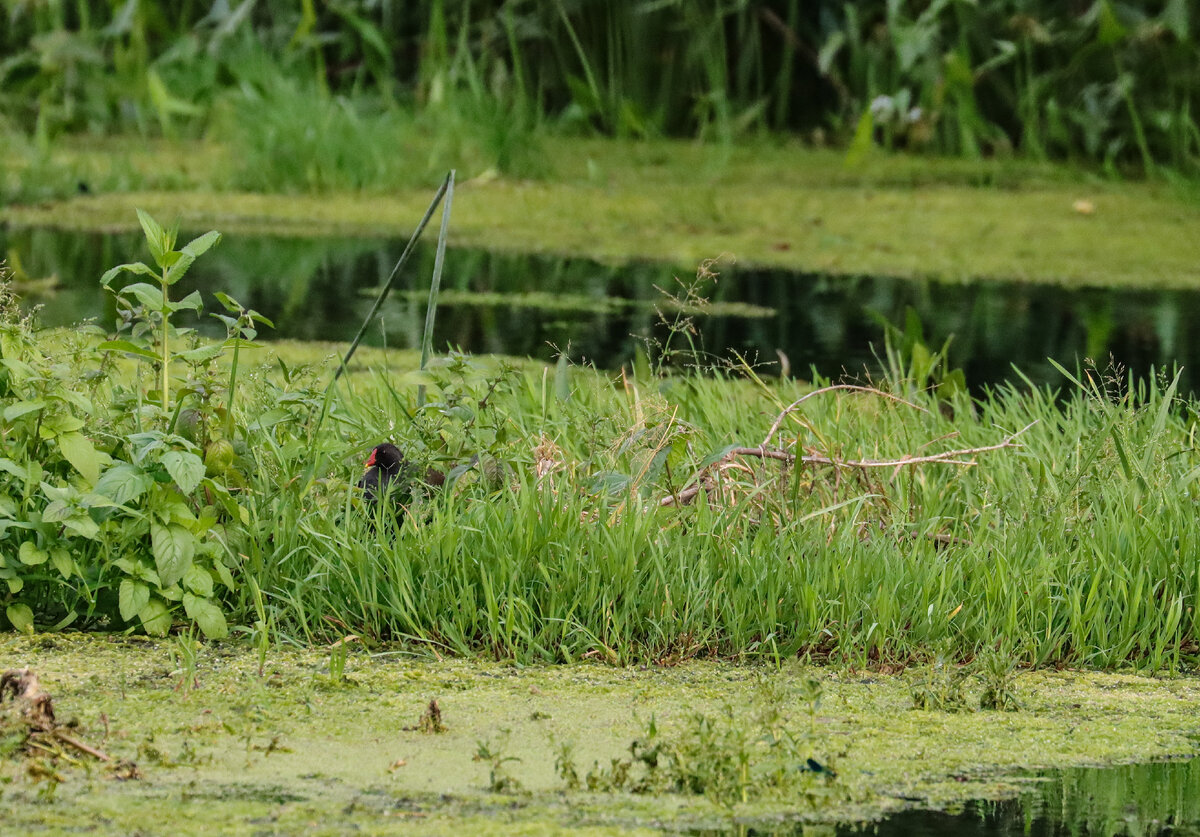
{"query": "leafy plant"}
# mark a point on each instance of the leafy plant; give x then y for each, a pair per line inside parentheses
(149, 308)
(125, 525)
(500, 780)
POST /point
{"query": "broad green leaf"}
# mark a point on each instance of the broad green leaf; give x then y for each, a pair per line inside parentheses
(13, 468)
(63, 423)
(192, 301)
(224, 574)
(126, 346)
(155, 236)
(201, 353)
(123, 483)
(173, 548)
(199, 246)
(80, 452)
(1109, 30)
(270, 418)
(14, 411)
(15, 584)
(138, 570)
(82, 525)
(21, 617)
(185, 468)
(77, 400)
(57, 511)
(207, 615)
(148, 295)
(31, 556)
(228, 302)
(134, 267)
(132, 597)
(155, 617)
(63, 562)
(92, 500)
(198, 580)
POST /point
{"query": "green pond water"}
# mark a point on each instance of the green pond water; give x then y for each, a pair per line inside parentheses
(535, 305)
(221, 747)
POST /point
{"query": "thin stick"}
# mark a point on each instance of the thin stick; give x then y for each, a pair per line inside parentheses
(387, 286)
(852, 387)
(79, 745)
(436, 285)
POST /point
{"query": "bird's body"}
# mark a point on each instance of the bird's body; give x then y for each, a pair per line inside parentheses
(389, 473)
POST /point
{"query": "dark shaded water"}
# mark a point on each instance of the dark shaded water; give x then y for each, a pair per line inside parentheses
(1138, 800)
(318, 289)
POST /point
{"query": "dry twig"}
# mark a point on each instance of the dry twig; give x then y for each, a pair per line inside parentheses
(949, 457)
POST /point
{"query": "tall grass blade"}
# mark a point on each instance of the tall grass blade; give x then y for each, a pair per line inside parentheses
(387, 286)
(436, 285)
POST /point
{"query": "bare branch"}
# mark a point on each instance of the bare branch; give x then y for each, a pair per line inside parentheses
(850, 387)
(949, 457)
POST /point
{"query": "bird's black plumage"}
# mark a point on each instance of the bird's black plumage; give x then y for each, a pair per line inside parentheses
(389, 473)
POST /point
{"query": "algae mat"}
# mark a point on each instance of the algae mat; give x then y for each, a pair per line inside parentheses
(219, 747)
(767, 205)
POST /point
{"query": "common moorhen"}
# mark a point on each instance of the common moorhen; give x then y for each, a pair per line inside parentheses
(388, 472)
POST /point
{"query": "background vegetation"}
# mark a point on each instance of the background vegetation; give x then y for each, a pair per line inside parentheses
(359, 92)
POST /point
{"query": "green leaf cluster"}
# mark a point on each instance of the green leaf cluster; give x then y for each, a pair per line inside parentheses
(108, 517)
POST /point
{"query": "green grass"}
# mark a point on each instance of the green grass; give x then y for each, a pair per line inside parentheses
(629, 518)
(1072, 548)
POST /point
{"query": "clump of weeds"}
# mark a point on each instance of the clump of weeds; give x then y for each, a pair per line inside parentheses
(731, 757)
(430, 722)
(943, 686)
(500, 780)
(999, 671)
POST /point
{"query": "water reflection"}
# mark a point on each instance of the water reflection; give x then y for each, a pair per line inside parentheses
(1140, 800)
(317, 290)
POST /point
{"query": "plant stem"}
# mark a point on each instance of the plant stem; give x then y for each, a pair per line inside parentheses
(166, 357)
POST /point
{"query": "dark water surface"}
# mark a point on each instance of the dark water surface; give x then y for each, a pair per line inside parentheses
(1138, 800)
(319, 289)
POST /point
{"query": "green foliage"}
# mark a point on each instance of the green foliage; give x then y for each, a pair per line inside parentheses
(942, 687)
(107, 516)
(491, 753)
(587, 516)
(1105, 82)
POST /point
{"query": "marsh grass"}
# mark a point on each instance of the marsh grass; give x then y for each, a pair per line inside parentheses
(1073, 548)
